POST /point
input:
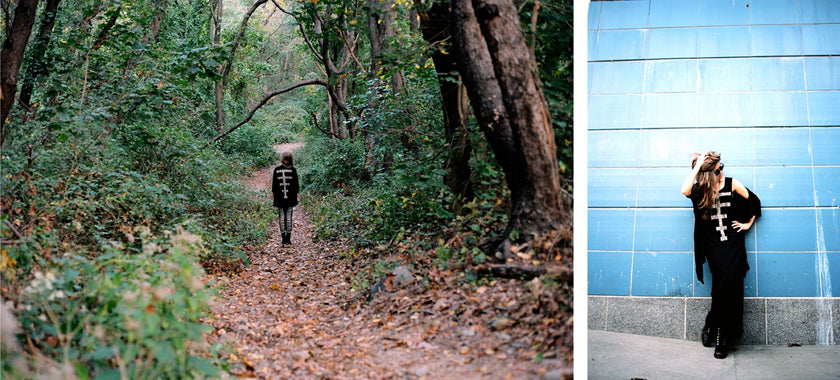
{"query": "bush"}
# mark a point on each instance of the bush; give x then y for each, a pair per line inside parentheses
(125, 314)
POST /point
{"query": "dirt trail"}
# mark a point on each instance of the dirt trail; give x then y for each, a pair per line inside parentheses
(290, 315)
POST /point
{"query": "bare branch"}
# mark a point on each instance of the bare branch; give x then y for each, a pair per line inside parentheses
(238, 40)
(263, 102)
(350, 50)
(302, 32)
(315, 123)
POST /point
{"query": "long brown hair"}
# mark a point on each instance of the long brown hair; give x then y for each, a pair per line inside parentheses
(708, 183)
(287, 160)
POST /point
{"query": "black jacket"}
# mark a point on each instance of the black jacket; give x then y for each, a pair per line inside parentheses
(285, 186)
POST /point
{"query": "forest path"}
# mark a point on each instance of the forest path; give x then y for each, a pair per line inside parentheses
(290, 315)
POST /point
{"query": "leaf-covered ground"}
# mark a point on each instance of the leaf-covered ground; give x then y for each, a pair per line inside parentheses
(292, 314)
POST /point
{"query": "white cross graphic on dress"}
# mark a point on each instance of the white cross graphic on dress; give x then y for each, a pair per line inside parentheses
(719, 216)
(285, 184)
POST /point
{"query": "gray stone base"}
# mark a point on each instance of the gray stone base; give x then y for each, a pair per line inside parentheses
(767, 321)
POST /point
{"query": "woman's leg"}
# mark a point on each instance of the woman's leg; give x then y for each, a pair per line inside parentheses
(288, 212)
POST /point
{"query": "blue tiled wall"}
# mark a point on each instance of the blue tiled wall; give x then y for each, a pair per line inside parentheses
(756, 80)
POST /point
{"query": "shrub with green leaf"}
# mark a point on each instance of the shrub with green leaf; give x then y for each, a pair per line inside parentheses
(125, 314)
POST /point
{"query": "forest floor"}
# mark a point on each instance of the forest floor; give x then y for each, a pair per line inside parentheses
(292, 314)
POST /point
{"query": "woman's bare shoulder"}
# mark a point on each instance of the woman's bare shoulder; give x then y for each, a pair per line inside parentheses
(739, 188)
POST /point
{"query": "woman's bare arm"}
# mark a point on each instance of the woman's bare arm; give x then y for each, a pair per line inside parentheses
(688, 183)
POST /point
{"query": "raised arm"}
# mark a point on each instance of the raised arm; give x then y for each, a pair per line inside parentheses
(688, 183)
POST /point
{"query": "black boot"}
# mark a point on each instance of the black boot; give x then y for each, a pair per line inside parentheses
(289, 238)
(707, 335)
(285, 238)
(721, 348)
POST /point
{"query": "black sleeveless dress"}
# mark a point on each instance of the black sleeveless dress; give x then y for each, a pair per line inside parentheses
(716, 241)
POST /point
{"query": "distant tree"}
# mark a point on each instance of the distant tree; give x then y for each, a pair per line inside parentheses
(39, 66)
(12, 55)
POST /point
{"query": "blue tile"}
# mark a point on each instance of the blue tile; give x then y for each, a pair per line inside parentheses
(776, 40)
(824, 145)
(782, 146)
(615, 111)
(623, 15)
(782, 109)
(821, 39)
(592, 42)
(611, 187)
(669, 111)
(735, 145)
(621, 44)
(834, 272)
(660, 187)
(745, 175)
(727, 109)
(594, 13)
(610, 230)
(724, 74)
(671, 76)
(703, 289)
(829, 236)
(822, 73)
(787, 275)
(666, 274)
(785, 74)
(672, 43)
(612, 148)
(665, 229)
(724, 12)
(670, 13)
(750, 280)
(667, 147)
(786, 230)
(820, 11)
(590, 67)
(823, 108)
(774, 12)
(827, 184)
(732, 41)
(608, 273)
(784, 187)
(618, 77)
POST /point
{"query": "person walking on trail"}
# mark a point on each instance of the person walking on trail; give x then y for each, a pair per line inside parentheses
(724, 210)
(285, 188)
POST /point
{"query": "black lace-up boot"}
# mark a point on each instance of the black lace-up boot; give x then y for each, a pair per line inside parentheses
(721, 348)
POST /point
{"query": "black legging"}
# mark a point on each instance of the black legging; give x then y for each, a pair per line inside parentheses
(286, 219)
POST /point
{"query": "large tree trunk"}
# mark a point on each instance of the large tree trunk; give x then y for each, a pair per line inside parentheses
(435, 24)
(40, 66)
(501, 79)
(11, 57)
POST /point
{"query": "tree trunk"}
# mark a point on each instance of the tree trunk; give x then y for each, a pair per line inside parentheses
(157, 20)
(39, 65)
(435, 24)
(501, 79)
(11, 57)
(217, 40)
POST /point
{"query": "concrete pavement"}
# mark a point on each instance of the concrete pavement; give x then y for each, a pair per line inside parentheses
(626, 356)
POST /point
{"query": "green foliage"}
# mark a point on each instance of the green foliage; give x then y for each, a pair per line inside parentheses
(129, 313)
(330, 164)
